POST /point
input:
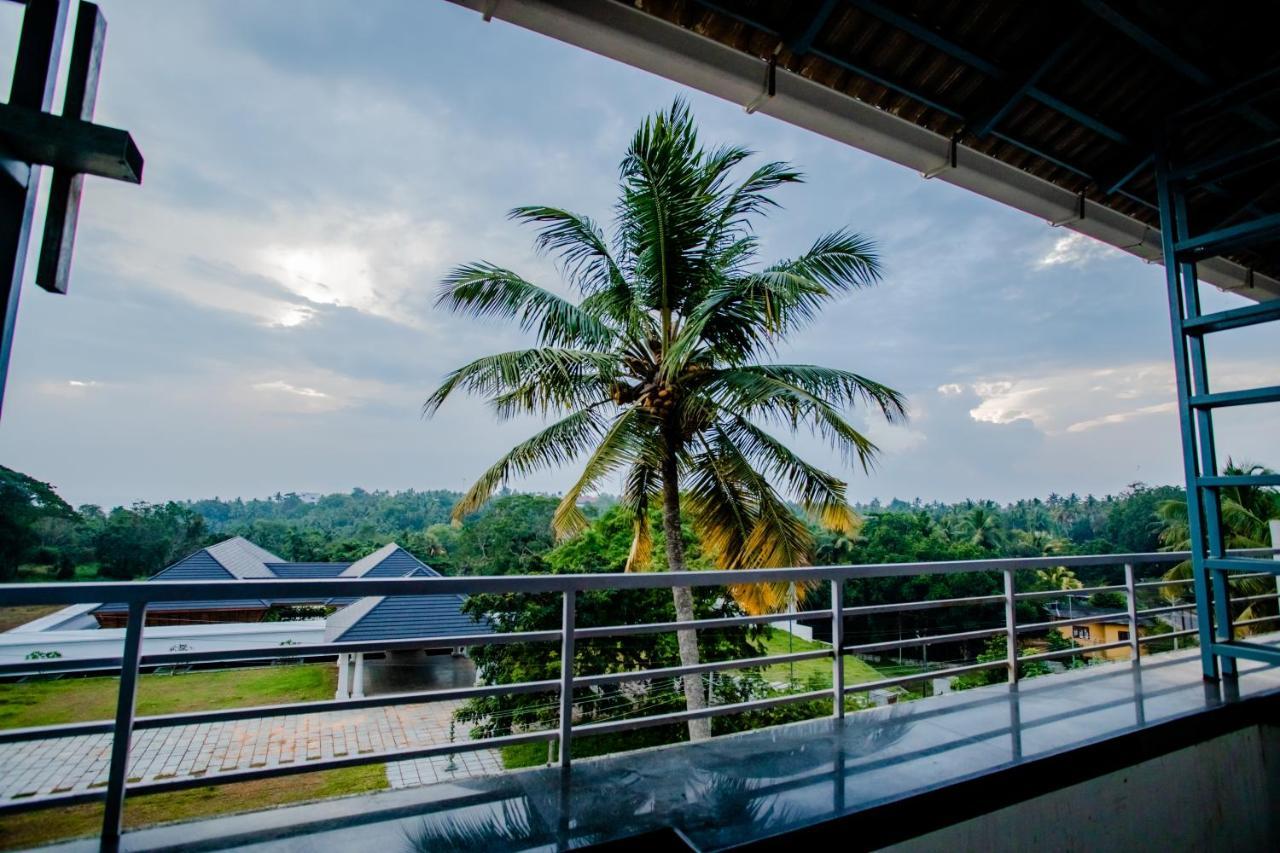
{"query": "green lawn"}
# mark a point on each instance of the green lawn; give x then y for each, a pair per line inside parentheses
(48, 825)
(80, 699)
(779, 642)
(74, 700)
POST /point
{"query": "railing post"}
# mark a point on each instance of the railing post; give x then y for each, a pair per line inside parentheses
(566, 675)
(1011, 625)
(1131, 593)
(122, 734)
(837, 649)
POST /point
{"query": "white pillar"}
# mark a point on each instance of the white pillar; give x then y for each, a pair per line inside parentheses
(357, 681)
(1275, 543)
(343, 691)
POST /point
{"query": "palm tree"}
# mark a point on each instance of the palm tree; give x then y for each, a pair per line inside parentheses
(659, 365)
(1246, 511)
(981, 527)
(1057, 577)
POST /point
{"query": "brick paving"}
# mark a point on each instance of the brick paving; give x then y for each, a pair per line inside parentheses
(57, 765)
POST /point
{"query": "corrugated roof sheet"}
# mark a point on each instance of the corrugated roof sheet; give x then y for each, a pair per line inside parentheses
(403, 617)
(307, 570)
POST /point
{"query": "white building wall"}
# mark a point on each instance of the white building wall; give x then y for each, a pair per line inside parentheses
(15, 646)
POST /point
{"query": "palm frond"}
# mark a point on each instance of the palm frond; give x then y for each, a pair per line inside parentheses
(556, 445)
(616, 448)
(485, 290)
(532, 380)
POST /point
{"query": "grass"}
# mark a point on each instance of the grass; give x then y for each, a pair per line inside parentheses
(778, 642)
(74, 700)
(535, 754)
(12, 617)
(47, 825)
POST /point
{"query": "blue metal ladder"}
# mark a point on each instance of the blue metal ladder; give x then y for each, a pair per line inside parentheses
(1211, 567)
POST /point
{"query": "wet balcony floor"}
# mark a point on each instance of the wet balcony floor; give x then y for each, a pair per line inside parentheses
(992, 745)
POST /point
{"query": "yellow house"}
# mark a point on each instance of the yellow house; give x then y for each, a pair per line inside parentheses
(1106, 630)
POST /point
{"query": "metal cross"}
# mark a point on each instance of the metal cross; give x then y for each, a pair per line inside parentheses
(31, 136)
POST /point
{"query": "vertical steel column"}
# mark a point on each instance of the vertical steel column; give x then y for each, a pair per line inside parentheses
(1206, 498)
(122, 734)
(1011, 624)
(1175, 291)
(35, 72)
(1131, 593)
(837, 649)
(566, 674)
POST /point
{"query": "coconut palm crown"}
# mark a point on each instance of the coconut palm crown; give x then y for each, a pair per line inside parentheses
(657, 368)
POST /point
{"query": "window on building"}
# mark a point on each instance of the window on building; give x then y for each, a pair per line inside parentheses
(1080, 632)
(1124, 635)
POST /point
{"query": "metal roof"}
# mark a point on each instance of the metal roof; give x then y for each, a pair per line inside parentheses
(1055, 109)
(370, 618)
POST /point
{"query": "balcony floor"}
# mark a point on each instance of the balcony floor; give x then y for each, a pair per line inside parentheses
(992, 745)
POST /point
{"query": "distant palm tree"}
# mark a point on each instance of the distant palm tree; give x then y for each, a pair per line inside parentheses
(1246, 511)
(981, 526)
(1058, 577)
(658, 364)
(1040, 543)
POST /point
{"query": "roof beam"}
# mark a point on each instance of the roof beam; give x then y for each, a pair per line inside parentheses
(995, 72)
(1170, 57)
(644, 40)
(983, 126)
(802, 44)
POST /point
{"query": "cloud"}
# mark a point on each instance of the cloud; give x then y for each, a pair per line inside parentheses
(1121, 417)
(950, 389)
(1075, 400)
(1076, 250)
(280, 385)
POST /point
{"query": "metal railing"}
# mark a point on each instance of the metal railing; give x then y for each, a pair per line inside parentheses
(139, 595)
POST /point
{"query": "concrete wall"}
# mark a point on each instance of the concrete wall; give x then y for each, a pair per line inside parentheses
(107, 642)
(1223, 794)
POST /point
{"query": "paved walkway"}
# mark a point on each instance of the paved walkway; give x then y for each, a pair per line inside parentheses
(57, 765)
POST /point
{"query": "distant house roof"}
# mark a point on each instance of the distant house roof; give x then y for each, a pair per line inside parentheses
(367, 618)
(399, 617)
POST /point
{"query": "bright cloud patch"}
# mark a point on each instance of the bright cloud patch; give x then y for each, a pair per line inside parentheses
(286, 388)
(1076, 400)
(951, 389)
(1075, 250)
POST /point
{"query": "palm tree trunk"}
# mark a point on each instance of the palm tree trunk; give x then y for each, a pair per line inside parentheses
(694, 698)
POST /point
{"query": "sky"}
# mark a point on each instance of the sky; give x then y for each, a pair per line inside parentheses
(257, 316)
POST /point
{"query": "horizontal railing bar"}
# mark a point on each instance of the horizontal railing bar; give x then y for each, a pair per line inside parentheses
(153, 591)
(1152, 611)
(713, 666)
(299, 708)
(696, 624)
(1080, 650)
(1174, 582)
(869, 609)
(1062, 593)
(232, 777)
(1074, 620)
(1234, 318)
(1243, 397)
(1232, 480)
(913, 642)
(1245, 577)
(1256, 620)
(880, 684)
(1150, 638)
(337, 763)
(309, 650)
(1248, 651)
(711, 711)
(1266, 596)
(1259, 568)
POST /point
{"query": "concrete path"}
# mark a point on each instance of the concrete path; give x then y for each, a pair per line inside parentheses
(57, 765)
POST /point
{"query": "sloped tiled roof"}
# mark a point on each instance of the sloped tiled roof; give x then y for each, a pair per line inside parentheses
(309, 571)
(367, 618)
